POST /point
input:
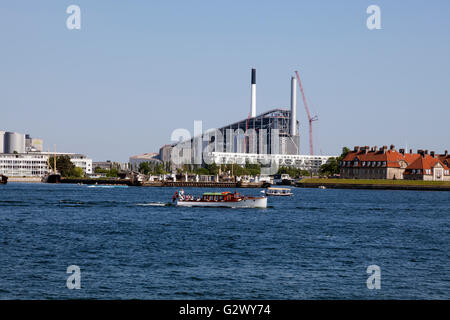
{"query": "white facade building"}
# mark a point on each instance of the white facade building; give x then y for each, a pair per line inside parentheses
(305, 162)
(35, 164)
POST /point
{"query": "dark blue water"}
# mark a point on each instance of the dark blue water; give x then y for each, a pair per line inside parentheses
(315, 245)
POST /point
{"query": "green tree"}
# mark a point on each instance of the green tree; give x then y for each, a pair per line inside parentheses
(253, 169)
(159, 169)
(344, 153)
(239, 170)
(77, 172)
(144, 168)
(113, 173)
(212, 168)
(63, 165)
(293, 172)
(333, 165)
(330, 168)
(202, 171)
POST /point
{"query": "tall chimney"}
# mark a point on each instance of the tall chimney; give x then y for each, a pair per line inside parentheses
(253, 101)
(293, 106)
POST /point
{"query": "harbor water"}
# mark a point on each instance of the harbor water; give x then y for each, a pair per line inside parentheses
(130, 243)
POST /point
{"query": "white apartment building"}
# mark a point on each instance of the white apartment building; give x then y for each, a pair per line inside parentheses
(305, 162)
(35, 164)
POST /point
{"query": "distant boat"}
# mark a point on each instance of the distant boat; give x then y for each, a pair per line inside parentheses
(280, 192)
(3, 179)
(52, 178)
(219, 199)
(322, 187)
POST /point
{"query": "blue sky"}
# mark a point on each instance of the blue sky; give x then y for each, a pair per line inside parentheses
(137, 70)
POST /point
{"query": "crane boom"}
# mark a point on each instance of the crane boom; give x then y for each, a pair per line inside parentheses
(310, 119)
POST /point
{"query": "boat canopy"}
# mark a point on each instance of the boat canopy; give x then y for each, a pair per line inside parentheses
(215, 193)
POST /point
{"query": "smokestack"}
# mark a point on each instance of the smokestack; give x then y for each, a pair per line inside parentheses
(253, 101)
(293, 106)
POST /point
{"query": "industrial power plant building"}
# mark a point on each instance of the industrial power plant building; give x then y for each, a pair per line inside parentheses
(270, 137)
(22, 156)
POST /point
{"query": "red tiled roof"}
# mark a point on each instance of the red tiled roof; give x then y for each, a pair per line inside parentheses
(426, 162)
(411, 157)
(391, 157)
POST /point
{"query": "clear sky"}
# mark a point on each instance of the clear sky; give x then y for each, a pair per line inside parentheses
(137, 70)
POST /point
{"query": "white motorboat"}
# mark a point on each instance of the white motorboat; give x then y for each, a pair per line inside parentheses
(279, 192)
(219, 199)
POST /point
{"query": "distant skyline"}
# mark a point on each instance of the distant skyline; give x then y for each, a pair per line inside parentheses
(136, 71)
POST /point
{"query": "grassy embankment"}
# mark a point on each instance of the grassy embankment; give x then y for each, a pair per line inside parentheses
(376, 182)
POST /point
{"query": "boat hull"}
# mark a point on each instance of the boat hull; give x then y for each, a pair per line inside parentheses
(245, 203)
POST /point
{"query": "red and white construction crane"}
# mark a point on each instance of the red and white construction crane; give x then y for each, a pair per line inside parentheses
(310, 119)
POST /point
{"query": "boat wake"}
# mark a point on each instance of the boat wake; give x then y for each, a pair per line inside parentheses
(155, 204)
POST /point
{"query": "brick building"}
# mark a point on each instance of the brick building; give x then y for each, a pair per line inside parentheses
(388, 163)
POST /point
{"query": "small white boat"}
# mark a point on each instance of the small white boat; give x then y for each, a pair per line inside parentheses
(279, 192)
(219, 199)
(322, 187)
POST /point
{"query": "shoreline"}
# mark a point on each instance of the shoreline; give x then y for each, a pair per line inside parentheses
(316, 183)
(415, 185)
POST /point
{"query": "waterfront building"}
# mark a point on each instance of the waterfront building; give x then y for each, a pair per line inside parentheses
(373, 163)
(23, 156)
(108, 165)
(427, 167)
(445, 158)
(304, 162)
(272, 135)
(35, 164)
(2, 140)
(151, 158)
